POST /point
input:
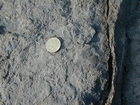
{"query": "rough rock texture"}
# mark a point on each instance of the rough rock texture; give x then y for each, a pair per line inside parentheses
(132, 78)
(90, 67)
(77, 74)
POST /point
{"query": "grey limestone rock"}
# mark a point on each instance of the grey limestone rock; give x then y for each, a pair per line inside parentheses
(75, 75)
(85, 71)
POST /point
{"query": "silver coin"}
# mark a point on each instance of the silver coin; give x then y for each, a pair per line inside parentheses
(53, 45)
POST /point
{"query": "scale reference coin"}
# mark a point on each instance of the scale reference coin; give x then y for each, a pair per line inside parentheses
(53, 45)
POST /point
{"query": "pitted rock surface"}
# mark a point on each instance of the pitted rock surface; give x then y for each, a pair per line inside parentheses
(88, 69)
(77, 74)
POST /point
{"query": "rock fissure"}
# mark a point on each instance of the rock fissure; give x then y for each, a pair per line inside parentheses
(109, 98)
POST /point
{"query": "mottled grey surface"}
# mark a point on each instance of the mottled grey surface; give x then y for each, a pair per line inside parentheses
(89, 67)
(75, 75)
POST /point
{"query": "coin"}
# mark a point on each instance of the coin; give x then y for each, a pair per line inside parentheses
(53, 45)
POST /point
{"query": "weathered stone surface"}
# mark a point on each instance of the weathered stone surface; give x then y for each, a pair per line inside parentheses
(89, 67)
(77, 74)
(132, 69)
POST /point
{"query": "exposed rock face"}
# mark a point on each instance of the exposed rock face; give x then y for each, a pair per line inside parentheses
(132, 68)
(85, 71)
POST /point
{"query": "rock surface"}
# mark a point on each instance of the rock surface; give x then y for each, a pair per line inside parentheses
(132, 78)
(89, 67)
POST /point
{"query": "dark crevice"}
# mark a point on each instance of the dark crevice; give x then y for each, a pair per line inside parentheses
(110, 60)
(105, 93)
(107, 12)
(107, 33)
(110, 66)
